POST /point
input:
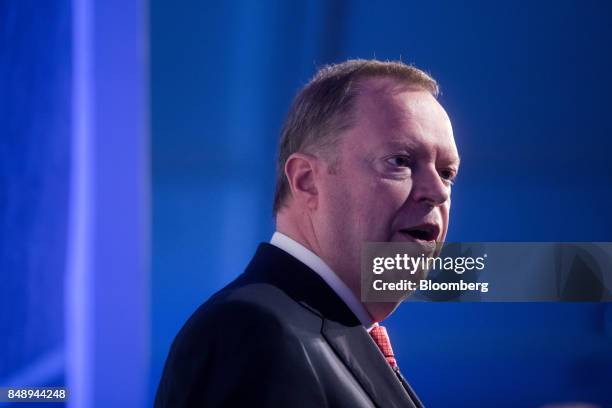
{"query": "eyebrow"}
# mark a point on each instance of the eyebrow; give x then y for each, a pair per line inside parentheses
(403, 144)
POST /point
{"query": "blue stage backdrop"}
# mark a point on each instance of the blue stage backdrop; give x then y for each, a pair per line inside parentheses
(73, 199)
(35, 105)
(104, 102)
(527, 86)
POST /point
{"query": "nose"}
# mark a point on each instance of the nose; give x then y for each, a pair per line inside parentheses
(429, 187)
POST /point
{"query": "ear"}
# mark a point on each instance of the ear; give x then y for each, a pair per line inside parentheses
(300, 170)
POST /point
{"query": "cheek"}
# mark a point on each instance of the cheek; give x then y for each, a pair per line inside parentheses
(446, 210)
(381, 203)
(337, 205)
(391, 195)
(445, 215)
(365, 209)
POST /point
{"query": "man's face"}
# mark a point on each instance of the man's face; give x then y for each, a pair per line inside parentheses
(392, 180)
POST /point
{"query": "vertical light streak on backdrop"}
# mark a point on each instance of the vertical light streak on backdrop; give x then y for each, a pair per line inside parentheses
(80, 229)
(107, 269)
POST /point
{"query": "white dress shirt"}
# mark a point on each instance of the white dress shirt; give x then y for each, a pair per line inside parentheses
(310, 259)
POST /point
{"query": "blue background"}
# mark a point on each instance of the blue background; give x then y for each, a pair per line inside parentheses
(34, 182)
(527, 86)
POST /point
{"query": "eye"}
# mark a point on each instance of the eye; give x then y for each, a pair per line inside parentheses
(448, 175)
(399, 161)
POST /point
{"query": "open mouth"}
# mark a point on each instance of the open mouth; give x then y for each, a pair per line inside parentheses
(424, 232)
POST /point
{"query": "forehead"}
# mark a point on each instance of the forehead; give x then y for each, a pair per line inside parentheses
(388, 113)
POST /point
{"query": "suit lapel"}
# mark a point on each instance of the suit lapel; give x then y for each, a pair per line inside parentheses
(341, 328)
(415, 398)
(356, 349)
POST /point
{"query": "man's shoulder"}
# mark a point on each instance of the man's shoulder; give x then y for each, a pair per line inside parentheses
(246, 333)
(257, 300)
(248, 309)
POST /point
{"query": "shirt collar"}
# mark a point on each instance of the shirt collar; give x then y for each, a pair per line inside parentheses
(314, 262)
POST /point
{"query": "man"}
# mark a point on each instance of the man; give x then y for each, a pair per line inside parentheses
(366, 154)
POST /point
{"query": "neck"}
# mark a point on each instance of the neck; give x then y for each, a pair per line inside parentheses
(289, 225)
(378, 311)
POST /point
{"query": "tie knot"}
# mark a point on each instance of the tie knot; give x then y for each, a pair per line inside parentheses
(381, 338)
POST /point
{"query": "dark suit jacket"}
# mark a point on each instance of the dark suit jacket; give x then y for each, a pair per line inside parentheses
(278, 336)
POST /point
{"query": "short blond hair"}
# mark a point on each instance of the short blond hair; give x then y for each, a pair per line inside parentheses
(323, 109)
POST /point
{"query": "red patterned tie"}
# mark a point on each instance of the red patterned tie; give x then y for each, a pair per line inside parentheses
(381, 338)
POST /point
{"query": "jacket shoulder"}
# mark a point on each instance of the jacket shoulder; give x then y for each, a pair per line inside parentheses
(241, 338)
